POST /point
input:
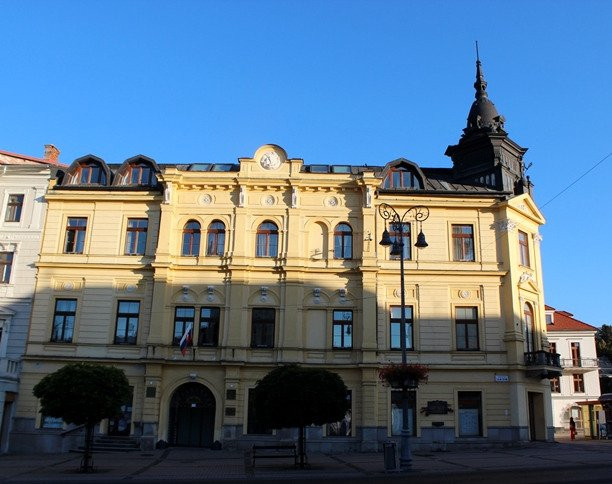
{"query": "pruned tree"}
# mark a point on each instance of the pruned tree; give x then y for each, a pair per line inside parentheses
(83, 394)
(293, 396)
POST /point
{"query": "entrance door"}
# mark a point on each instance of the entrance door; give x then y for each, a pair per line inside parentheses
(122, 424)
(537, 422)
(192, 416)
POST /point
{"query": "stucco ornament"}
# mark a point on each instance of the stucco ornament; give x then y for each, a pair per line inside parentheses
(332, 202)
(464, 294)
(269, 200)
(270, 160)
(206, 199)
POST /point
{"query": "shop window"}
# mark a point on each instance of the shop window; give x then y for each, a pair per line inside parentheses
(127, 322)
(343, 428)
(262, 327)
(254, 426)
(395, 319)
(466, 325)
(463, 242)
(396, 412)
(63, 320)
(470, 414)
(342, 329)
(14, 207)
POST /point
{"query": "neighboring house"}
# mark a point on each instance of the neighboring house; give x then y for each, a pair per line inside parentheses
(23, 183)
(269, 261)
(576, 392)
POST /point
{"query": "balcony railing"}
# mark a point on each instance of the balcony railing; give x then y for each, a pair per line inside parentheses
(543, 358)
(579, 363)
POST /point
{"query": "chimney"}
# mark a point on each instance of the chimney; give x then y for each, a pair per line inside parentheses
(51, 153)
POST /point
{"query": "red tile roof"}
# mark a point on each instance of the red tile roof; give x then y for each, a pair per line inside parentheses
(564, 321)
(18, 159)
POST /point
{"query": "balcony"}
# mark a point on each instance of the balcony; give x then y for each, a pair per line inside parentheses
(542, 364)
(579, 365)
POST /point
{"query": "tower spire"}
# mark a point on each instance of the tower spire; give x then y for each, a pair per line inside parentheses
(480, 85)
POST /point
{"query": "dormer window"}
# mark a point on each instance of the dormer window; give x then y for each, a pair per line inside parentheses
(89, 173)
(140, 174)
(402, 178)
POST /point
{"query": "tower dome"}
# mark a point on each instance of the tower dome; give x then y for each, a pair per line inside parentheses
(483, 114)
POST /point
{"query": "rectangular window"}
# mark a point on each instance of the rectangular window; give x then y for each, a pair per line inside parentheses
(262, 327)
(6, 264)
(470, 414)
(343, 329)
(183, 317)
(396, 412)
(209, 327)
(63, 320)
(75, 235)
(399, 238)
(575, 348)
(136, 237)
(396, 326)
(463, 242)
(524, 248)
(253, 425)
(578, 383)
(552, 348)
(127, 322)
(466, 324)
(343, 428)
(555, 386)
(14, 207)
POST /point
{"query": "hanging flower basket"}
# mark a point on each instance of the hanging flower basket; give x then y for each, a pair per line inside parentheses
(400, 375)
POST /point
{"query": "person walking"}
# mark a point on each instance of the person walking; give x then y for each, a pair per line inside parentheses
(572, 429)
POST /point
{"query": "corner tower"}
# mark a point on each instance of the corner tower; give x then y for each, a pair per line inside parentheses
(485, 155)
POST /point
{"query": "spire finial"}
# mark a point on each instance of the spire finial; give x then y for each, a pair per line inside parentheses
(480, 85)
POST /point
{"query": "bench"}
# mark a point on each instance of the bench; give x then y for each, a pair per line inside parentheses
(275, 452)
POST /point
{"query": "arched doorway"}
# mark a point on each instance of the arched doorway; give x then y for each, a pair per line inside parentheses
(192, 416)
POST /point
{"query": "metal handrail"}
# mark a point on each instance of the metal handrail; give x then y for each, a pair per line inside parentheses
(542, 358)
(579, 363)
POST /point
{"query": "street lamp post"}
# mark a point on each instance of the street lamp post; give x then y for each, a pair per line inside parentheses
(418, 214)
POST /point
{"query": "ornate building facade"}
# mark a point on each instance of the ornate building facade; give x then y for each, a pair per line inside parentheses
(270, 261)
(23, 183)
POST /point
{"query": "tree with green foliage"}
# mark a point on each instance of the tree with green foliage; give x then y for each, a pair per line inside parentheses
(293, 396)
(603, 340)
(83, 394)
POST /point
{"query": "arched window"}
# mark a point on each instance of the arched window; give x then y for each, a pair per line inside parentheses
(267, 240)
(394, 233)
(529, 329)
(89, 173)
(343, 241)
(215, 243)
(191, 238)
(400, 177)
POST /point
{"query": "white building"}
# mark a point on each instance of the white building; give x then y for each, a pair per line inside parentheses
(576, 392)
(23, 183)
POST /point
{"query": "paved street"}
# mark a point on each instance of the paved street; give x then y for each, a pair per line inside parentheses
(580, 461)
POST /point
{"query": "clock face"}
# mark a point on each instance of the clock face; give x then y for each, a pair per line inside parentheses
(270, 160)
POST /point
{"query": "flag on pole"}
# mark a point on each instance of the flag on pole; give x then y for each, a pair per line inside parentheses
(186, 339)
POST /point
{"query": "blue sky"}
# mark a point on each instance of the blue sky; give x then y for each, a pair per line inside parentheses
(331, 82)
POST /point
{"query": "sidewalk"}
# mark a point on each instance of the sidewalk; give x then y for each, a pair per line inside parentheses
(536, 460)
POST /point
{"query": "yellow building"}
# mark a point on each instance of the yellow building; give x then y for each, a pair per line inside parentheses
(272, 261)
